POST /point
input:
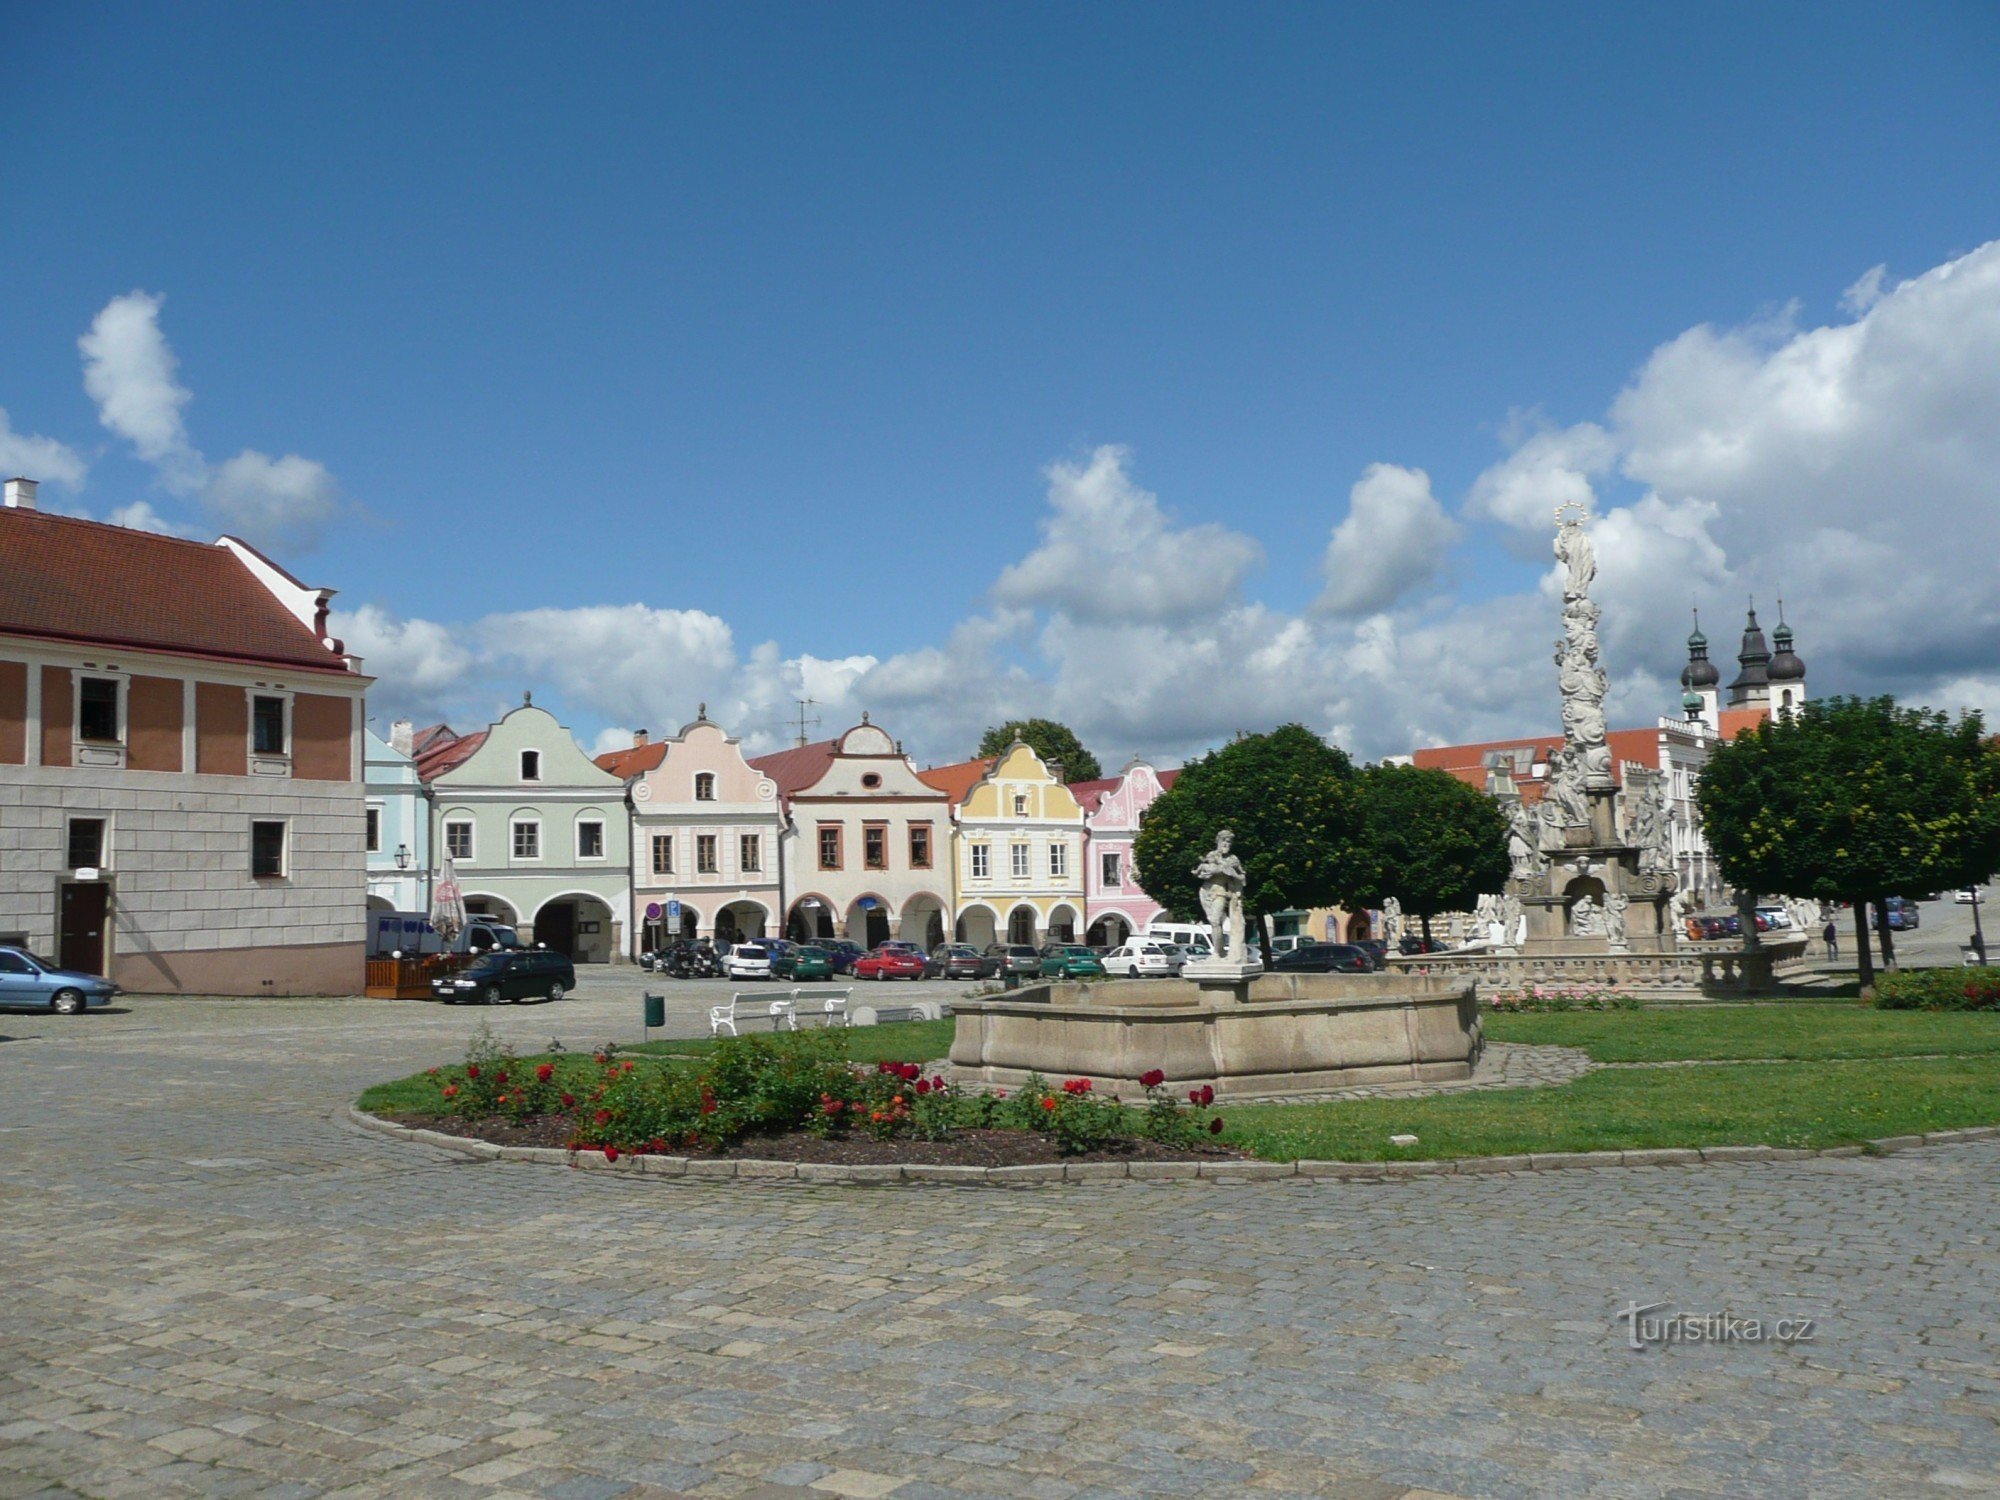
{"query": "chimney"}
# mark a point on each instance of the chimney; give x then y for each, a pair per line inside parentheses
(639, 737)
(21, 494)
(1056, 771)
(401, 734)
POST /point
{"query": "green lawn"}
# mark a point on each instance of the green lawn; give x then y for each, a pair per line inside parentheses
(1778, 1104)
(1804, 1031)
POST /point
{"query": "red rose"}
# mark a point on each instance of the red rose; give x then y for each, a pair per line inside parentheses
(1215, 1126)
(937, 1084)
(501, 1076)
(627, 1066)
(923, 1087)
(545, 1072)
(908, 1072)
(611, 1153)
(1152, 1078)
(603, 1117)
(472, 1070)
(568, 1100)
(451, 1091)
(1048, 1102)
(1207, 1095)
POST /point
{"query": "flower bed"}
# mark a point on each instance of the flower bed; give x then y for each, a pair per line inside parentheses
(1535, 998)
(1938, 989)
(798, 1096)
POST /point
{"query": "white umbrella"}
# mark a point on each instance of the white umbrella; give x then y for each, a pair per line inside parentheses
(448, 905)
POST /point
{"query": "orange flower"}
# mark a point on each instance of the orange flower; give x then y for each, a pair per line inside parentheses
(1048, 1101)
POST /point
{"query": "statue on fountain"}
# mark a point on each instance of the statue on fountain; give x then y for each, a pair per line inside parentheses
(1222, 880)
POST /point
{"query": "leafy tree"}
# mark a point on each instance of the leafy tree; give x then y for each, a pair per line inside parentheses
(1854, 800)
(1429, 840)
(1290, 798)
(1049, 740)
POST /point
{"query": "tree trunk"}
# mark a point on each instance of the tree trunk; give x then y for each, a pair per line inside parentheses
(1882, 930)
(1862, 947)
(1425, 919)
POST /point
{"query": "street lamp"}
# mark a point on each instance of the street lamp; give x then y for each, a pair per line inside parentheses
(402, 856)
(1978, 936)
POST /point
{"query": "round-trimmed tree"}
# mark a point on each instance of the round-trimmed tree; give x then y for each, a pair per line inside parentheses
(1048, 739)
(1428, 839)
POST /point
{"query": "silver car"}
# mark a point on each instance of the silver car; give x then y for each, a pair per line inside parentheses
(30, 982)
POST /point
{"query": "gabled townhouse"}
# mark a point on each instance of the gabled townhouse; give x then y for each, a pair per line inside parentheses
(706, 835)
(538, 833)
(397, 834)
(1017, 849)
(1115, 905)
(180, 762)
(865, 841)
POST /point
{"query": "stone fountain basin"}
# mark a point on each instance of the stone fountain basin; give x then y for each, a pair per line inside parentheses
(1294, 1034)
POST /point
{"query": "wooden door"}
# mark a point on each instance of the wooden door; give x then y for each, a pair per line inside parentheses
(85, 904)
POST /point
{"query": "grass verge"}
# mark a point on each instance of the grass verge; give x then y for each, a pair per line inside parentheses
(1802, 1031)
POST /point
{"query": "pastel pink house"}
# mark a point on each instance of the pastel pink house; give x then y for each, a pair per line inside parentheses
(1115, 906)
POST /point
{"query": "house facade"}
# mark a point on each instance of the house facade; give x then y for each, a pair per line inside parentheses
(707, 836)
(1017, 850)
(865, 841)
(538, 833)
(180, 763)
(1115, 905)
(397, 825)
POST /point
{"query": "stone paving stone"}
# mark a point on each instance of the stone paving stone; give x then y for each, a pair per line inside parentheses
(237, 1291)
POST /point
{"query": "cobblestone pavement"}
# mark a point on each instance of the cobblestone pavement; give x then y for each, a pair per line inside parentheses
(215, 1286)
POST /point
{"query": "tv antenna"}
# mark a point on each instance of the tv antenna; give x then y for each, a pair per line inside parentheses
(814, 721)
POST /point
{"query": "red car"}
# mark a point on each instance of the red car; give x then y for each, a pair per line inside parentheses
(890, 962)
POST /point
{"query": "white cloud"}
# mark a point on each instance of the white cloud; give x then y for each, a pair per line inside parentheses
(130, 372)
(140, 516)
(26, 456)
(1552, 467)
(422, 669)
(1109, 551)
(1865, 292)
(286, 502)
(1392, 542)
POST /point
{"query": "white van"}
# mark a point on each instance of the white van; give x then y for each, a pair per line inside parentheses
(1191, 937)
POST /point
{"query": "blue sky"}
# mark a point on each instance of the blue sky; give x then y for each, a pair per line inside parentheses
(778, 316)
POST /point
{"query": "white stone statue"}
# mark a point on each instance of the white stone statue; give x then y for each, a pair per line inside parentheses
(1584, 918)
(1523, 844)
(1576, 552)
(1565, 790)
(1614, 917)
(1222, 881)
(1392, 921)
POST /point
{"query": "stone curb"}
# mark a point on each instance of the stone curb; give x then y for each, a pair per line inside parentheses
(876, 1174)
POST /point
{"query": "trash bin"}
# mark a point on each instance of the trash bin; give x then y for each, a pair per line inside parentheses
(656, 1011)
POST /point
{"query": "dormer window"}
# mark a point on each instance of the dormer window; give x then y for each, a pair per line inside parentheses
(704, 786)
(531, 765)
(1020, 804)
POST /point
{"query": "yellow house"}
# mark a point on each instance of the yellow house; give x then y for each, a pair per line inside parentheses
(1017, 849)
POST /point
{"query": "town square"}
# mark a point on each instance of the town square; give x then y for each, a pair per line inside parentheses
(897, 752)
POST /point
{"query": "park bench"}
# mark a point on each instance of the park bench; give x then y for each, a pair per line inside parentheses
(742, 1009)
(828, 1006)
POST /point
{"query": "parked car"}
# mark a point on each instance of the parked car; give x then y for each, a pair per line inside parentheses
(1903, 914)
(1192, 938)
(1772, 918)
(1377, 950)
(1324, 958)
(1068, 961)
(802, 961)
(746, 961)
(844, 953)
(1291, 940)
(509, 975)
(1970, 896)
(890, 962)
(956, 961)
(1014, 958)
(28, 981)
(1145, 958)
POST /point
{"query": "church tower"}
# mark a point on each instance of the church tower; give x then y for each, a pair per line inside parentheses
(1700, 682)
(1752, 687)
(1786, 672)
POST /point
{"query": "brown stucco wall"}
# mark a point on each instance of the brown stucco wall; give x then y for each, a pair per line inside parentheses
(153, 738)
(13, 713)
(322, 737)
(222, 729)
(55, 716)
(324, 969)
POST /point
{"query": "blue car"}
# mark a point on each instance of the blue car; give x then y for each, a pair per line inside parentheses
(31, 982)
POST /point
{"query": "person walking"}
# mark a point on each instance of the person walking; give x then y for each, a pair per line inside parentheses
(1831, 934)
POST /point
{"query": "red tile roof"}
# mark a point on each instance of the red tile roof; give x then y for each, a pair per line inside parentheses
(634, 760)
(1735, 720)
(1468, 762)
(62, 578)
(958, 779)
(436, 762)
(434, 737)
(795, 770)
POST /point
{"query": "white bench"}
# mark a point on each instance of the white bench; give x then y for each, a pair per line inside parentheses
(829, 1005)
(744, 1008)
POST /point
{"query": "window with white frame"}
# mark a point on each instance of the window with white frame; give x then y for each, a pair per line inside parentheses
(374, 825)
(100, 708)
(1058, 861)
(704, 786)
(982, 861)
(87, 844)
(589, 838)
(531, 765)
(1020, 854)
(267, 848)
(1113, 869)
(663, 854)
(458, 838)
(527, 838)
(1020, 804)
(704, 854)
(750, 850)
(267, 724)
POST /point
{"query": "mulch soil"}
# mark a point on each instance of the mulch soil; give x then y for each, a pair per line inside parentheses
(969, 1148)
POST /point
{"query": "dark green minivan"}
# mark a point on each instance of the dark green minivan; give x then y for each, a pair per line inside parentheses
(509, 975)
